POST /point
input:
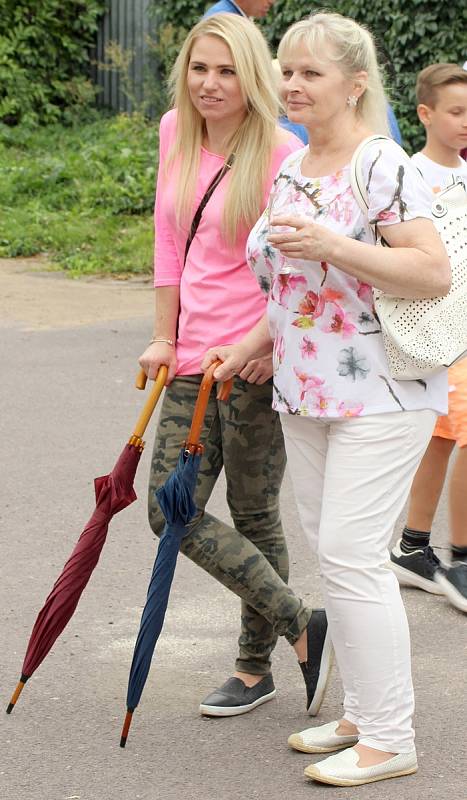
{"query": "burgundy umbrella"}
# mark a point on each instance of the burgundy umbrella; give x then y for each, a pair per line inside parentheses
(114, 492)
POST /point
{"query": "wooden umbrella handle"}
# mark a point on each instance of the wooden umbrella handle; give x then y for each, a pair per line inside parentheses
(193, 442)
(150, 404)
(141, 379)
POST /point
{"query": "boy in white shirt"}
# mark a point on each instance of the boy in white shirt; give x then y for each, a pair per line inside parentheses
(442, 109)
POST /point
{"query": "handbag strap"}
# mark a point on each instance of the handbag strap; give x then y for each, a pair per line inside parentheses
(207, 196)
(357, 178)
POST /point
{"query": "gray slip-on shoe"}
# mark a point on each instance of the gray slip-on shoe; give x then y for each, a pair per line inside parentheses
(317, 668)
(234, 698)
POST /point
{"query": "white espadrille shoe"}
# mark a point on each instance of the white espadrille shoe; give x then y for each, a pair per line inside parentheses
(322, 739)
(342, 770)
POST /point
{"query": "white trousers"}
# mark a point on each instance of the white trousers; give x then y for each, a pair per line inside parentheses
(351, 478)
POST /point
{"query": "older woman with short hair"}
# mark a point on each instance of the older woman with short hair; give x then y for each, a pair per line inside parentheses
(354, 435)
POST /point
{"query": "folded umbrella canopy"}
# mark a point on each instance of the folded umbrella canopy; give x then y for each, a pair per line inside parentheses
(114, 492)
(176, 499)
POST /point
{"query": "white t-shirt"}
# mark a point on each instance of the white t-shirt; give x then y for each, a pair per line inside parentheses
(329, 358)
(437, 175)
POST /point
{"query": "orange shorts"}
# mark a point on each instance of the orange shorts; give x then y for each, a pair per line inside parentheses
(454, 425)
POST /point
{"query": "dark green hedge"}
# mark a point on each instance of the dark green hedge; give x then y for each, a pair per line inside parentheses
(44, 58)
(410, 33)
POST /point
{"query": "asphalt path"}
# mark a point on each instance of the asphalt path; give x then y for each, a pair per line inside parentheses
(68, 405)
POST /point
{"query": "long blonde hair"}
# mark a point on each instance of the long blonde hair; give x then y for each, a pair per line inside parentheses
(352, 48)
(252, 143)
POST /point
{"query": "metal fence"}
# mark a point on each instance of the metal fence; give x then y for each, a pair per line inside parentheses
(128, 24)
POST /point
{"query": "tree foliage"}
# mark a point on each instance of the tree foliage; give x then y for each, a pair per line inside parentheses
(45, 58)
(410, 35)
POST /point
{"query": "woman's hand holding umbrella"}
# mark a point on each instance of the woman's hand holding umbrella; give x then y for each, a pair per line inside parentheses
(235, 357)
(159, 353)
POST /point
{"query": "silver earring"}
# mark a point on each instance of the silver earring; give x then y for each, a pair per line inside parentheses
(352, 101)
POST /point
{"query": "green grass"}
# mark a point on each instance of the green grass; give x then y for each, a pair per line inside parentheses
(82, 195)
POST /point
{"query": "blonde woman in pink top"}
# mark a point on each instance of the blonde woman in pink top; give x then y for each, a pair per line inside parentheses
(225, 103)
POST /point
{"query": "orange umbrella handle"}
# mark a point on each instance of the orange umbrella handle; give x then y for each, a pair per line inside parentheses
(193, 442)
(141, 379)
(145, 416)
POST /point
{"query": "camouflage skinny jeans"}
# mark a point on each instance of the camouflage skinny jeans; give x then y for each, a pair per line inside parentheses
(244, 436)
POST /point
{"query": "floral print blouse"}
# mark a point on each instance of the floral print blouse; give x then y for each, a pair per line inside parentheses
(329, 359)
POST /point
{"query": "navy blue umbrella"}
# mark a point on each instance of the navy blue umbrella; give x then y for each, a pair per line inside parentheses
(176, 499)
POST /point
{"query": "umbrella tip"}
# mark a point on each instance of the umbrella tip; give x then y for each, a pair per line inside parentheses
(17, 693)
(126, 728)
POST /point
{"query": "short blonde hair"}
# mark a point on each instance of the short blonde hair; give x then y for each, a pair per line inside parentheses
(433, 78)
(352, 48)
(254, 140)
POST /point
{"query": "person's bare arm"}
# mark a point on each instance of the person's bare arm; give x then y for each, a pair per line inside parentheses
(167, 304)
(415, 265)
(258, 370)
(256, 344)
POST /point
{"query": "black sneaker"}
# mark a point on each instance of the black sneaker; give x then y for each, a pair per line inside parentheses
(418, 568)
(453, 584)
(317, 668)
(233, 697)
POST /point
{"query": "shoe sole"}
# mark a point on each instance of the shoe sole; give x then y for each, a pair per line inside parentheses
(452, 594)
(325, 668)
(315, 775)
(406, 576)
(234, 711)
(295, 742)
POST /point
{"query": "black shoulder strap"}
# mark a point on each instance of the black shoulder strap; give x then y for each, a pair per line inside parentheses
(209, 191)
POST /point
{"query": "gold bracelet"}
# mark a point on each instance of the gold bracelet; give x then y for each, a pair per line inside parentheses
(162, 339)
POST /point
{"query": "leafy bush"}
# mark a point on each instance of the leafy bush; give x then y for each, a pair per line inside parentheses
(83, 194)
(410, 35)
(172, 21)
(45, 57)
(413, 34)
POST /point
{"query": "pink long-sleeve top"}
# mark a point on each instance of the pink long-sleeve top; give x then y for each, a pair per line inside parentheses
(220, 300)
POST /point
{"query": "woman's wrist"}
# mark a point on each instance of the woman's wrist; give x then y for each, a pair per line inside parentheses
(163, 340)
(244, 352)
(256, 345)
(337, 249)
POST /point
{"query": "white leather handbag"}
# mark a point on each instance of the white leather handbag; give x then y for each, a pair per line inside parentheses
(423, 336)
